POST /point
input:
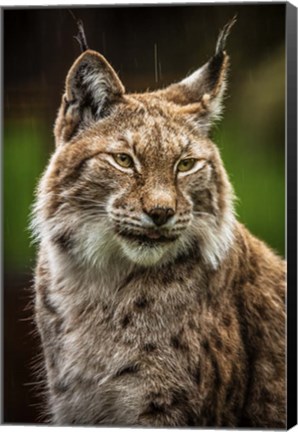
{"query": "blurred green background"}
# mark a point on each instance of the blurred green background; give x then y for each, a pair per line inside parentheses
(150, 47)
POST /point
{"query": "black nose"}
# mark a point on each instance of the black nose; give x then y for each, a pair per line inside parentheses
(160, 215)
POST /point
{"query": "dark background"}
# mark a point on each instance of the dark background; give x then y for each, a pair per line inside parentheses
(150, 47)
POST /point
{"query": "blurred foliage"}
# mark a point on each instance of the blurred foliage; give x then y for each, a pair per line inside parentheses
(24, 159)
(252, 142)
(251, 136)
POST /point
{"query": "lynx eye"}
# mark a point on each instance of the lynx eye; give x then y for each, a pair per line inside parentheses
(186, 165)
(123, 159)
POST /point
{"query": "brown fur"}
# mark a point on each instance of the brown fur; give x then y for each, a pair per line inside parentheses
(175, 325)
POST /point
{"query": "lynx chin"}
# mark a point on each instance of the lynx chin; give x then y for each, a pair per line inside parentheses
(155, 306)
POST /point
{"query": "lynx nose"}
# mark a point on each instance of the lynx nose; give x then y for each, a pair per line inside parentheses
(160, 215)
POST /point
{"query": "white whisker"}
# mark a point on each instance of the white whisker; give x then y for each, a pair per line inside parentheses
(202, 213)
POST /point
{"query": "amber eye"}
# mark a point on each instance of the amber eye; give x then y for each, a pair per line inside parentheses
(123, 160)
(186, 165)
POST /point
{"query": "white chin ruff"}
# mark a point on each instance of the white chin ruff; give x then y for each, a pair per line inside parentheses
(143, 254)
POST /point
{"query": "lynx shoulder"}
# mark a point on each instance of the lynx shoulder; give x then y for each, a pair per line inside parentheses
(155, 306)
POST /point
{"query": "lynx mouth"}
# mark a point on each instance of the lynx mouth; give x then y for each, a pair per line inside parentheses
(149, 238)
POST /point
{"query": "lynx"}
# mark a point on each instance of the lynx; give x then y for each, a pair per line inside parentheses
(155, 306)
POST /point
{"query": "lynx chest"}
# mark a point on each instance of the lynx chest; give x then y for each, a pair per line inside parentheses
(153, 350)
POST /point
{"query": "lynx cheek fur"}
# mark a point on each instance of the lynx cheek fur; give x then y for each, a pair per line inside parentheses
(154, 305)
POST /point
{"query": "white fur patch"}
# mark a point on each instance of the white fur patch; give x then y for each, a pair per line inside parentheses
(194, 78)
(215, 239)
(144, 255)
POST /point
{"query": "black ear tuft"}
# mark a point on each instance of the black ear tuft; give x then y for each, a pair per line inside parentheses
(216, 62)
(205, 87)
(222, 38)
(81, 37)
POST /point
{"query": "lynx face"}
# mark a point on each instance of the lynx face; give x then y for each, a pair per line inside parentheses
(136, 176)
(152, 216)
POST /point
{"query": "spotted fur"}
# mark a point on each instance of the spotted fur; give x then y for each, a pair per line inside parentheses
(178, 322)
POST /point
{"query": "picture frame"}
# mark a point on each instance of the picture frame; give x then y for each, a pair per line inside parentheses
(150, 46)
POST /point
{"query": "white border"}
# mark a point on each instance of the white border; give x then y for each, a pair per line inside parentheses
(53, 3)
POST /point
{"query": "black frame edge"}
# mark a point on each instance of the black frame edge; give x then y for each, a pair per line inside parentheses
(291, 131)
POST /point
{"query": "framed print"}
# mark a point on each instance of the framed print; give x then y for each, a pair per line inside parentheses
(149, 159)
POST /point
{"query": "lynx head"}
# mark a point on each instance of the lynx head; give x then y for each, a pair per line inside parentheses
(136, 176)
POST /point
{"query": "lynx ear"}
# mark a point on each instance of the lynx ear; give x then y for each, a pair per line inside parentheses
(91, 88)
(202, 92)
